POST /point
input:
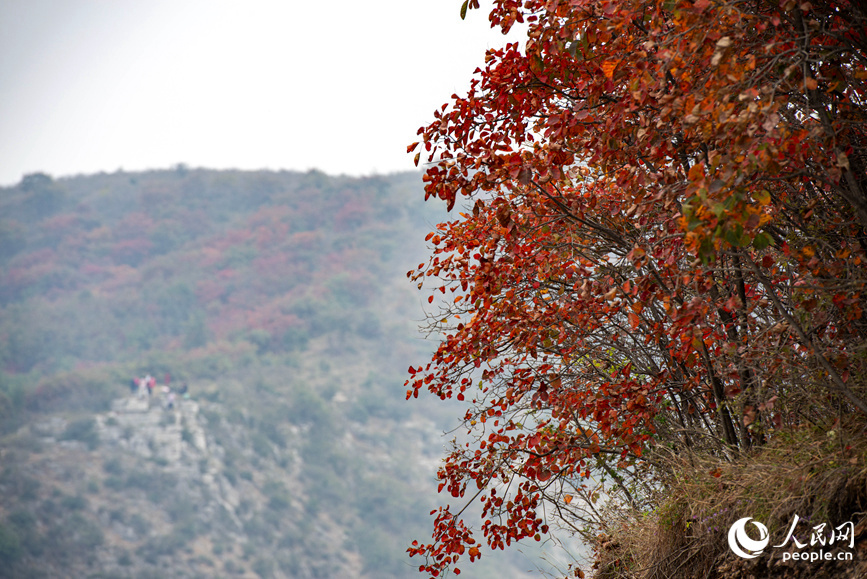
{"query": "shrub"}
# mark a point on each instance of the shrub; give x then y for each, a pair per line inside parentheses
(24, 524)
(28, 443)
(10, 548)
(83, 430)
(278, 495)
(139, 525)
(113, 466)
(261, 445)
(74, 503)
(288, 564)
(19, 484)
(232, 568)
(156, 484)
(86, 390)
(263, 568)
(114, 483)
(163, 546)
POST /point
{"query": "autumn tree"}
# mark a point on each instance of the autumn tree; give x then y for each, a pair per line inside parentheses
(662, 244)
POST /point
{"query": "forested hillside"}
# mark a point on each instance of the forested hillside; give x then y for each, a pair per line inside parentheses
(102, 269)
(280, 301)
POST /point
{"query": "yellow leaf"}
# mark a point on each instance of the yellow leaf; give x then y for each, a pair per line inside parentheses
(763, 197)
(842, 160)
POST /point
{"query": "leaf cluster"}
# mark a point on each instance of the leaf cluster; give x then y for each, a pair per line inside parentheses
(662, 245)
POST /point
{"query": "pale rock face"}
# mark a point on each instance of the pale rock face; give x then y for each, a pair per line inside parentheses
(148, 429)
(176, 436)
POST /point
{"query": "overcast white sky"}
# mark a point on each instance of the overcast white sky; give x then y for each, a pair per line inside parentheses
(341, 86)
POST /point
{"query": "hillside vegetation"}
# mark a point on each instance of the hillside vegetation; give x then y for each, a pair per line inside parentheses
(280, 300)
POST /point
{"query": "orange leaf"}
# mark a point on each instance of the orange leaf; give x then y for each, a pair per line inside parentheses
(567, 499)
(608, 68)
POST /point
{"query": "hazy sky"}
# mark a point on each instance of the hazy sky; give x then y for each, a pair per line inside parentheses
(341, 85)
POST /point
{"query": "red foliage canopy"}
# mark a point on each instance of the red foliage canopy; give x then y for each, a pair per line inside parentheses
(663, 240)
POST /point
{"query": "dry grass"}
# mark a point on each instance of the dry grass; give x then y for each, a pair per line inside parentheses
(820, 476)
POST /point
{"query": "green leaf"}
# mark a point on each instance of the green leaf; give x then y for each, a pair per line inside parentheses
(762, 240)
(464, 9)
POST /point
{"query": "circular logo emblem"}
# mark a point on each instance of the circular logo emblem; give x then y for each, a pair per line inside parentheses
(740, 542)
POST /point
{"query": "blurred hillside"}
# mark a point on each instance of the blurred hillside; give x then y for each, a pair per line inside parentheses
(111, 267)
(280, 300)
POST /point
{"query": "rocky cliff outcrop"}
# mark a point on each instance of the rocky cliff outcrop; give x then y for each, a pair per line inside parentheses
(144, 490)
